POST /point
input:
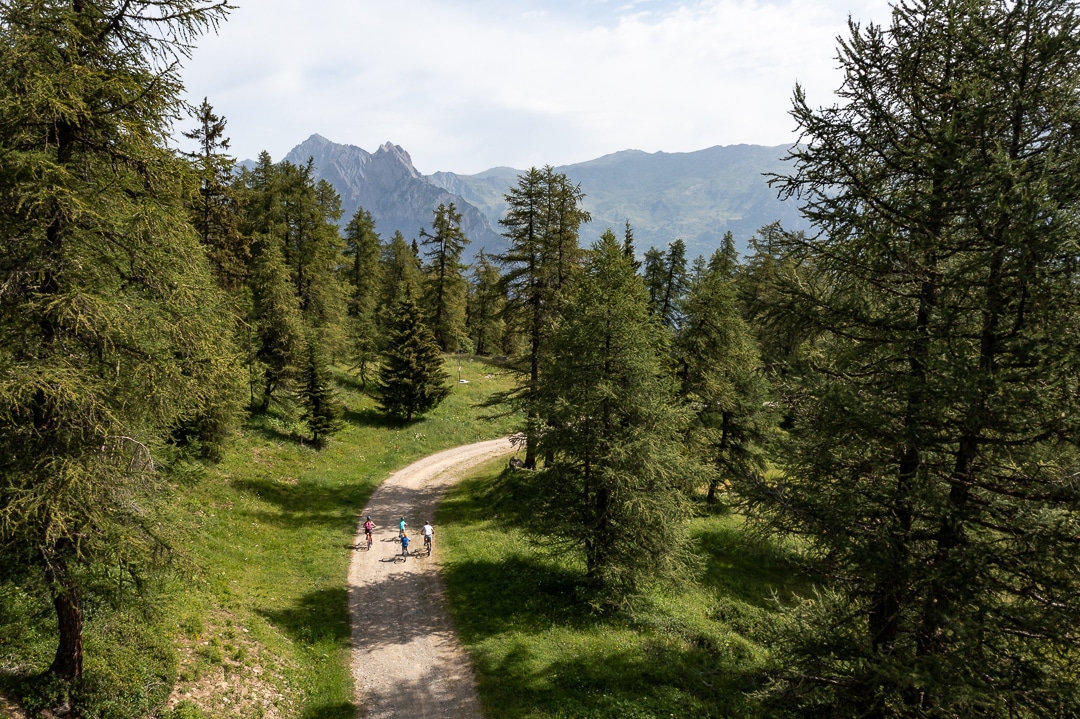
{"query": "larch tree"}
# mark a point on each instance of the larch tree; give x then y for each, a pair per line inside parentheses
(401, 276)
(722, 378)
(277, 326)
(617, 482)
(933, 453)
(541, 224)
(112, 328)
(322, 409)
(363, 277)
(486, 301)
(215, 211)
(412, 379)
(445, 288)
(667, 281)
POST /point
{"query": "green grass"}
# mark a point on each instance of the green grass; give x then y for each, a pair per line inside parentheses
(540, 652)
(257, 599)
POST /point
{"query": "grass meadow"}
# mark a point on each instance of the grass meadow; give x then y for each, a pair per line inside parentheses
(539, 652)
(251, 621)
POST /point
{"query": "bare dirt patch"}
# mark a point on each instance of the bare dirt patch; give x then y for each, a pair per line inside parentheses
(406, 660)
(222, 673)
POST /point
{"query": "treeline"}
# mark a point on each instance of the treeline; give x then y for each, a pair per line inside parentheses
(899, 390)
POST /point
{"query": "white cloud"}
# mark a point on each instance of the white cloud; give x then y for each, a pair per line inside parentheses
(465, 86)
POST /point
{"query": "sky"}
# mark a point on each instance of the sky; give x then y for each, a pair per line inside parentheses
(467, 85)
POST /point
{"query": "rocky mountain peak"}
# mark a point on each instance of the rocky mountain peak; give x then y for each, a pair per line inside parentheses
(398, 153)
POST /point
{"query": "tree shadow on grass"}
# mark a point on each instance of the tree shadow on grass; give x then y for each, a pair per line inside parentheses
(339, 710)
(370, 417)
(659, 681)
(752, 568)
(305, 503)
(318, 617)
(516, 594)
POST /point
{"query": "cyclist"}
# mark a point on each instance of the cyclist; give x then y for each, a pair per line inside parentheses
(369, 527)
(428, 532)
(404, 544)
(401, 528)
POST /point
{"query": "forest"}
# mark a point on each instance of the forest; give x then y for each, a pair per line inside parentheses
(895, 392)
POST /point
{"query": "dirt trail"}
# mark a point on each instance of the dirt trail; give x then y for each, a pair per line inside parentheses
(406, 661)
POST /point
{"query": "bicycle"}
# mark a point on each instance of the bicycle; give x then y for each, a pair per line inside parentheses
(369, 527)
(427, 544)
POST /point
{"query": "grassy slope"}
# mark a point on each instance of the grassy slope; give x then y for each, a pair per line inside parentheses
(257, 606)
(687, 651)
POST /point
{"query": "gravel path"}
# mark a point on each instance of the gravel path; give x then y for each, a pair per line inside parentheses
(406, 660)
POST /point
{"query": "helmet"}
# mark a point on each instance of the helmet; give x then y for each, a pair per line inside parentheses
(369, 517)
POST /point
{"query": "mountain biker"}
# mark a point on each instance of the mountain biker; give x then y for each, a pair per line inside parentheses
(369, 527)
(428, 531)
(404, 544)
(401, 528)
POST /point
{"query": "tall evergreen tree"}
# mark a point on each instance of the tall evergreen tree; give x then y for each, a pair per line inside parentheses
(215, 212)
(277, 323)
(541, 223)
(933, 458)
(654, 275)
(445, 287)
(667, 281)
(364, 278)
(401, 277)
(486, 301)
(322, 410)
(412, 379)
(617, 483)
(722, 377)
(111, 326)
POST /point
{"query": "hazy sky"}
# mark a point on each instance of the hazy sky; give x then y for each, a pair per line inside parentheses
(465, 85)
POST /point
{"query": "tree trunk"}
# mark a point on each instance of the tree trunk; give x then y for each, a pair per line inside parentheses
(68, 662)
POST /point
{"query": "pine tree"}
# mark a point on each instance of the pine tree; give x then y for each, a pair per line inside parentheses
(364, 277)
(278, 325)
(934, 428)
(445, 287)
(616, 485)
(401, 276)
(215, 212)
(667, 281)
(721, 374)
(111, 326)
(541, 223)
(412, 379)
(322, 410)
(486, 301)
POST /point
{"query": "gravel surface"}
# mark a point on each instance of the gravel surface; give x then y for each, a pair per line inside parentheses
(406, 660)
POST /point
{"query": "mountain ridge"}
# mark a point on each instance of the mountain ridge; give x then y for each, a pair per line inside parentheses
(695, 196)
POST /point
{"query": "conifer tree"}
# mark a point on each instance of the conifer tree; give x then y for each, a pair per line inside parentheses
(401, 277)
(111, 326)
(445, 287)
(542, 219)
(616, 485)
(215, 212)
(722, 377)
(278, 342)
(667, 281)
(322, 410)
(933, 447)
(486, 301)
(412, 379)
(364, 278)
